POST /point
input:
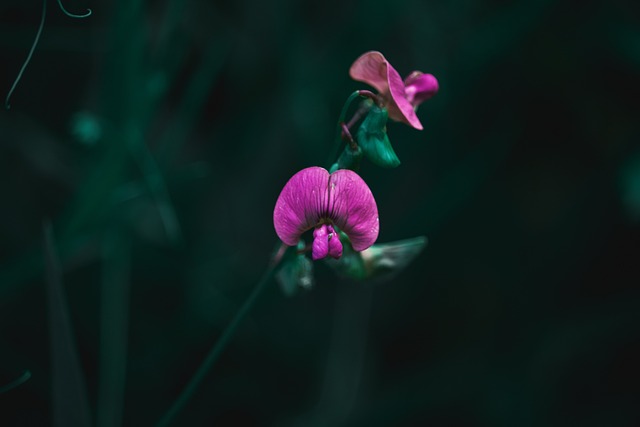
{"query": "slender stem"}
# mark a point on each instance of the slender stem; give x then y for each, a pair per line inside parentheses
(277, 257)
(73, 15)
(217, 348)
(343, 129)
(70, 404)
(7, 104)
(346, 134)
(372, 96)
(15, 383)
(343, 113)
(357, 115)
(220, 345)
(114, 321)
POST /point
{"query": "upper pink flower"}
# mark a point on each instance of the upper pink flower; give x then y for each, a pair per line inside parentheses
(313, 198)
(401, 98)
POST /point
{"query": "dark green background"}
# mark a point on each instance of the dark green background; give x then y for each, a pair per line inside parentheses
(522, 310)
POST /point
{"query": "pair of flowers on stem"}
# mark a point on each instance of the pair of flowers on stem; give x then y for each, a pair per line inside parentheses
(337, 204)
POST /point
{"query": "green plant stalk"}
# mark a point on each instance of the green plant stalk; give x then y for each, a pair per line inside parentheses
(218, 348)
(17, 382)
(70, 405)
(114, 319)
(220, 345)
(343, 113)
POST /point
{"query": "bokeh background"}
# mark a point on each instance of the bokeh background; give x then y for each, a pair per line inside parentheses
(151, 140)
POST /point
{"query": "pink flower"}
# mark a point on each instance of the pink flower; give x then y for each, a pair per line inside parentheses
(400, 98)
(313, 198)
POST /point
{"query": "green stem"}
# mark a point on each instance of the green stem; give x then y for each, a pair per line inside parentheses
(114, 321)
(73, 15)
(15, 383)
(343, 113)
(217, 349)
(26, 62)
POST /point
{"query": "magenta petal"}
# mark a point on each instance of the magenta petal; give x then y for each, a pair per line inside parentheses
(320, 247)
(371, 68)
(353, 208)
(419, 87)
(335, 245)
(301, 204)
(400, 109)
(313, 198)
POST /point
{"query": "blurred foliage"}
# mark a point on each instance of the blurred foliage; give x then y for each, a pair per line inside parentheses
(156, 137)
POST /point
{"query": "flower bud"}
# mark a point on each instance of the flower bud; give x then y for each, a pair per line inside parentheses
(372, 137)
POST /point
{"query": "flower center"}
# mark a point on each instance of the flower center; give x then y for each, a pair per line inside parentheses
(326, 242)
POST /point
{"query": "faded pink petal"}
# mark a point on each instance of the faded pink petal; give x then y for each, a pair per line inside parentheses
(314, 198)
(301, 204)
(400, 109)
(419, 87)
(400, 98)
(371, 68)
(353, 208)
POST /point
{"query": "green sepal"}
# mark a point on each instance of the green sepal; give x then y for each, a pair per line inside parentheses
(384, 261)
(372, 137)
(380, 262)
(350, 264)
(296, 271)
(349, 159)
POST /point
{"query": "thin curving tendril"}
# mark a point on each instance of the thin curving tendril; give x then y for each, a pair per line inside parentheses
(71, 15)
(33, 47)
(15, 383)
(7, 104)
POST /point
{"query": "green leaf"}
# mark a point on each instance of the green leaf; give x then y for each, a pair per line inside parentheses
(384, 261)
(380, 262)
(296, 272)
